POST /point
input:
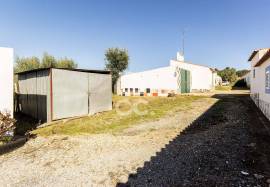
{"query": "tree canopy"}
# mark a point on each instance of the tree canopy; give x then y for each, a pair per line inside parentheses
(47, 60)
(241, 73)
(228, 74)
(116, 60)
(26, 63)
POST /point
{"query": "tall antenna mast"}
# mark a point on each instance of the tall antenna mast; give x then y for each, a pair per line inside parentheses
(183, 42)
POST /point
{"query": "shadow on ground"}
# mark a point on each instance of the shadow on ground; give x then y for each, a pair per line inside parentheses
(225, 146)
(23, 125)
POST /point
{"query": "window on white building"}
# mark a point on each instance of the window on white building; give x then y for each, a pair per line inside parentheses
(254, 73)
(267, 80)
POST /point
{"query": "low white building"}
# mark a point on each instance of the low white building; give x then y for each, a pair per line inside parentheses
(260, 79)
(178, 77)
(6, 80)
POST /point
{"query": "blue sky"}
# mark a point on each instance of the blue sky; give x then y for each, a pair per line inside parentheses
(219, 33)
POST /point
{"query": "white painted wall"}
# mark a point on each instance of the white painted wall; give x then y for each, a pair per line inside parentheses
(202, 78)
(6, 79)
(258, 83)
(160, 78)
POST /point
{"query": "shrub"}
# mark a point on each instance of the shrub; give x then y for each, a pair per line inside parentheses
(7, 124)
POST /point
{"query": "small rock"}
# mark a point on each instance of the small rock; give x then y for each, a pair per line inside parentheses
(257, 176)
(252, 144)
(268, 181)
(244, 173)
(65, 138)
(227, 162)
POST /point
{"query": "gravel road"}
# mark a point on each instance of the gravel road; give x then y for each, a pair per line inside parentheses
(225, 145)
(93, 160)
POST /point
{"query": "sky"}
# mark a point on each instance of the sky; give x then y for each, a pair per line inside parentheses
(217, 33)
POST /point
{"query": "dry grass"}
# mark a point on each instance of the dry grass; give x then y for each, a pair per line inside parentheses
(224, 88)
(153, 108)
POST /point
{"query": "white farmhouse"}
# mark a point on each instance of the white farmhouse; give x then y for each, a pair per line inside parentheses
(260, 79)
(178, 77)
(6, 80)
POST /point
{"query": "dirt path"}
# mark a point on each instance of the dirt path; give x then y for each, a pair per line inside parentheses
(96, 160)
(227, 146)
(212, 151)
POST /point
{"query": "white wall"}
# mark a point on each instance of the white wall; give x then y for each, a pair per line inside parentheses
(201, 76)
(258, 83)
(6, 79)
(160, 78)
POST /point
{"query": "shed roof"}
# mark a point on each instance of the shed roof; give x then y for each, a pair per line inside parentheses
(79, 70)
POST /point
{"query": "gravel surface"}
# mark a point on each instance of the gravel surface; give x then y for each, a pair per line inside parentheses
(94, 160)
(227, 144)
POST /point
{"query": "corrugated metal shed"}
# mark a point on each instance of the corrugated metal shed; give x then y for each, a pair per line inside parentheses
(52, 93)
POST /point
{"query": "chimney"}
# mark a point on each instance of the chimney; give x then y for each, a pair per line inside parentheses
(180, 57)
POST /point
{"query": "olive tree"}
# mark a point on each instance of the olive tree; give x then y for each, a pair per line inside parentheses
(116, 60)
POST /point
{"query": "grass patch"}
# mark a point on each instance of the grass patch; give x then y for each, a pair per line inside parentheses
(149, 108)
(224, 88)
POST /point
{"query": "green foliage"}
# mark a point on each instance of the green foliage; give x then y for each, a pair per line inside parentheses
(223, 88)
(241, 73)
(47, 61)
(116, 61)
(228, 74)
(26, 63)
(66, 63)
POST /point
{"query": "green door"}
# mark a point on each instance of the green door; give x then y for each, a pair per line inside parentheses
(184, 81)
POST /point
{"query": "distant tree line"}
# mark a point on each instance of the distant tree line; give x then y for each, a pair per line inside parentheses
(242, 73)
(231, 75)
(47, 61)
